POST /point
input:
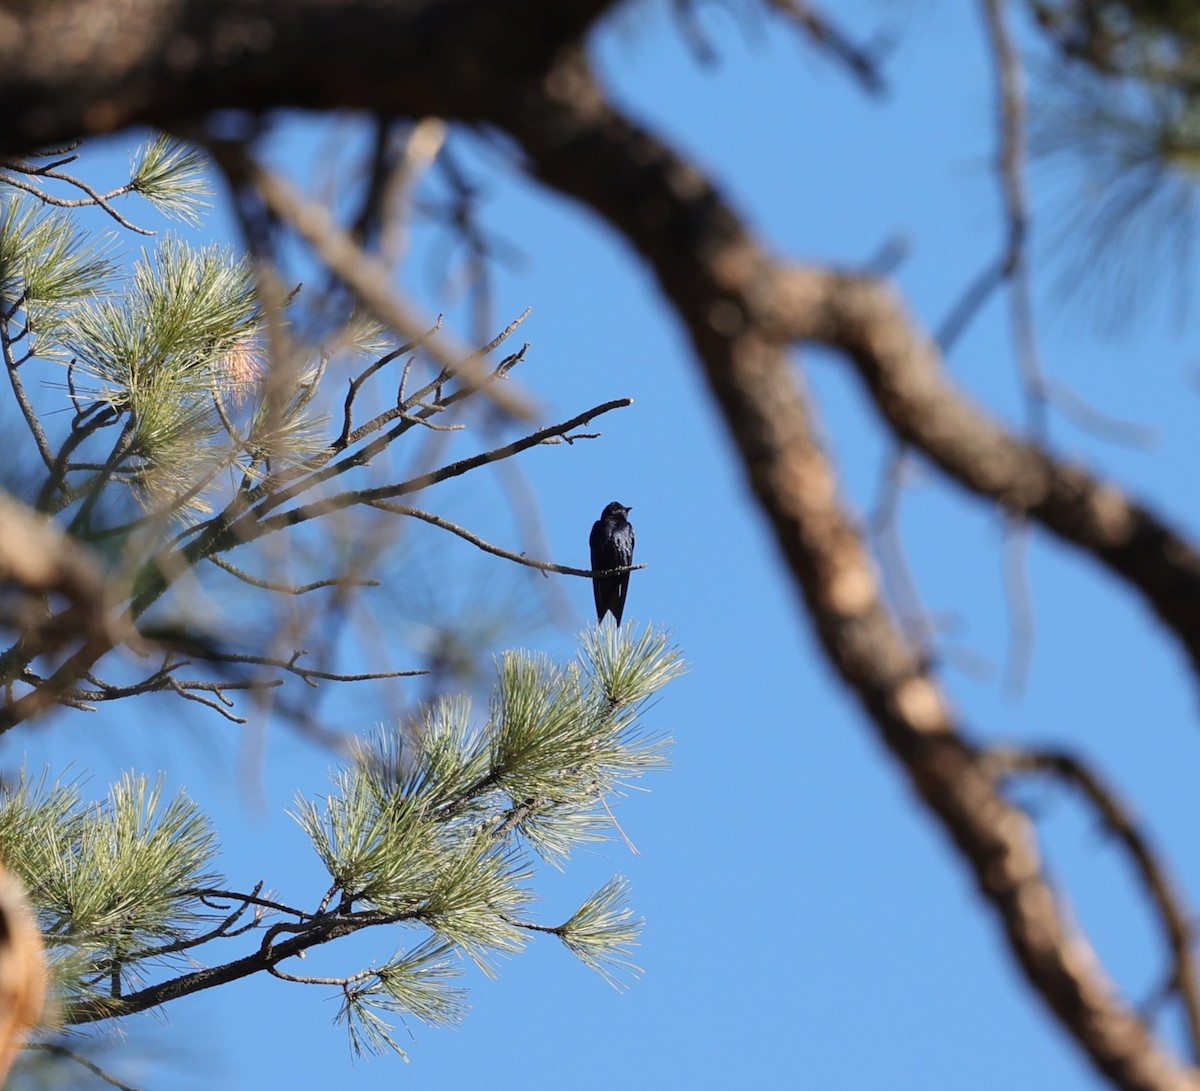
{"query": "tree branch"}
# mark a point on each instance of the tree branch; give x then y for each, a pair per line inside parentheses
(1178, 931)
(902, 372)
(496, 551)
(369, 279)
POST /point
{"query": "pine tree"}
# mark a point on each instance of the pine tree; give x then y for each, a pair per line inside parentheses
(200, 420)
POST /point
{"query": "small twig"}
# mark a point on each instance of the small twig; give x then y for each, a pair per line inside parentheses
(306, 674)
(96, 485)
(969, 303)
(253, 898)
(56, 480)
(222, 704)
(1098, 423)
(1011, 165)
(26, 407)
(224, 929)
(301, 979)
(884, 525)
(425, 422)
(530, 926)
(826, 34)
(287, 589)
(59, 1050)
(93, 198)
(357, 382)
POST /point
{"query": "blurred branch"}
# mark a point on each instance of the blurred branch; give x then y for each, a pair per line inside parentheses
(57, 1049)
(901, 370)
(369, 278)
(1011, 163)
(826, 35)
(1174, 915)
(289, 589)
(23, 979)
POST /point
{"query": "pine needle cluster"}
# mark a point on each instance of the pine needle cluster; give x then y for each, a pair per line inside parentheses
(163, 365)
(1120, 106)
(111, 881)
(435, 826)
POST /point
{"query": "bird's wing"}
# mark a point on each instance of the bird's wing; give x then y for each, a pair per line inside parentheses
(600, 547)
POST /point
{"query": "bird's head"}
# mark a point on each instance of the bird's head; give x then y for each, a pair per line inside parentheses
(615, 511)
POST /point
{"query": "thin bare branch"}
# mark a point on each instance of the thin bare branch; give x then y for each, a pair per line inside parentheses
(288, 589)
(57, 1049)
(487, 547)
(357, 382)
(368, 277)
(94, 197)
(309, 675)
(826, 34)
(27, 411)
(1011, 160)
(300, 979)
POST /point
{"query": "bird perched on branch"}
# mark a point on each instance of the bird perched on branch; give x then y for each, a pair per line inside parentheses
(612, 547)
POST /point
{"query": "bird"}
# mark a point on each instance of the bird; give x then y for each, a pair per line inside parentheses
(612, 547)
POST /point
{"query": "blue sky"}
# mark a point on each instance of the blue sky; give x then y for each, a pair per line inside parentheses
(807, 925)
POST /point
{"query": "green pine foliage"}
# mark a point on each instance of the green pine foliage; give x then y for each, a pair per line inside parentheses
(171, 177)
(162, 408)
(48, 264)
(172, 351)
(1120, 110)
(432, 831)
(435, 827)
(109, 880)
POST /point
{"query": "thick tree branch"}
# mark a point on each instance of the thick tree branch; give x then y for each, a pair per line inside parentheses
(164, 61)
(1172, 910)
(902, 371)
(310, 933)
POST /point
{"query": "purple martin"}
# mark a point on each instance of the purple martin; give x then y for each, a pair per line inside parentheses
(612, 547)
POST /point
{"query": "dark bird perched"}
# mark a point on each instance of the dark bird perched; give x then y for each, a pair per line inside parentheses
(612, 547)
